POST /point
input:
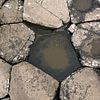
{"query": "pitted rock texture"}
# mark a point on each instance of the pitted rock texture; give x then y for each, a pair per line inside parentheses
(30, 83)
(1, 2)
(11, 12)
(84, 84)
(84, 10)
(4, 78)
(49, 13)
(86, 38)
(14, 41)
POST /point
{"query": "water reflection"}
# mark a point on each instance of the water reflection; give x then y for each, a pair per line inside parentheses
(54, 54)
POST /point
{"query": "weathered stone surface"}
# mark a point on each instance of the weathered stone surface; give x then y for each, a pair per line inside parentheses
(11, 12)
(86, 39)
(30, 83)
(84, 10)
(49, 13)
(1, 2)
(14, 42)
(4, 78)
(82, 85)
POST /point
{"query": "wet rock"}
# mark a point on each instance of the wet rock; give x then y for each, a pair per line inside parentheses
(11, 12)
(30, 83)
(4, 78)
(1, 2)
(54, 54)
(14, 42)
(86, 39)
(48, 13)
(84, 84)
(84, 10)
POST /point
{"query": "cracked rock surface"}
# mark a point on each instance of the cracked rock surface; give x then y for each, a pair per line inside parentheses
(37, 23)
(30, 83)
(84, 84)
(51, 13)
(13, 39)
(4, 78)
(11, 12)
(86, 38)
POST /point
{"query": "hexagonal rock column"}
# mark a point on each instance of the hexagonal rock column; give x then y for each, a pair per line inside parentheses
(4, 78)
(30, 83)
(82, 85)
(84, 10)
(1, 2)
(86, 38)
(14, 42)
(49, 13)
(11, 12)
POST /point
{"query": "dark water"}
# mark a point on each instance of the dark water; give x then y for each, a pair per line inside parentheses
(54, 54)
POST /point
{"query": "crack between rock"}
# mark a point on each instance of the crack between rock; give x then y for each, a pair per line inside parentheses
(49, 11)
(11, 23)
(57, 95)
(98, 20)
(21, 49)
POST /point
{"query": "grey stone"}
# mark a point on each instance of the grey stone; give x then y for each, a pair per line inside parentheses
(15, 40)
(1, 2)
(49, 13)
(84, 10)
(11, 12)
(4, 78)
(86, 38)
(30, 83)
(84, 84)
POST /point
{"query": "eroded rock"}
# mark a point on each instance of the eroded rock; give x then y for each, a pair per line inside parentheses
(4, 78)
(48, 13)
(84, 84)
(11, 12)
(14, 42)
(30, 83)
(84, 10)
(86, 39)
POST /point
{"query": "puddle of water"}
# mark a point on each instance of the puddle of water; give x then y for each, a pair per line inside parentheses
(54, 54)
(82, 5)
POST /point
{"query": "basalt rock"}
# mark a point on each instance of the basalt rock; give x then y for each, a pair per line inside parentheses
(11, 12)
(54, 54)
(86, 39)
(84, 10)
(4, 78)
(49, 13)
(84, 84)
(30, 83)
(14, 42)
